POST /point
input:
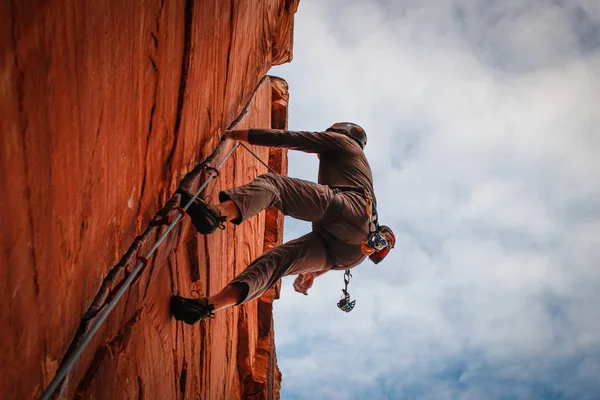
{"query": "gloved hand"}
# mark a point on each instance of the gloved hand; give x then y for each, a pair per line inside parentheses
(304, 282)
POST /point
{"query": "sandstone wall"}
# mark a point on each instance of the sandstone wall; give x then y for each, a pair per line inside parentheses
(105, 106)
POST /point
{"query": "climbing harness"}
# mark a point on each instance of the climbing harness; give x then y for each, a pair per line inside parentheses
(345, 304)
(142, 261)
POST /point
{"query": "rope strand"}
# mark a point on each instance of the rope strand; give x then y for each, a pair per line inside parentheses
(67, 363)
(261, 161)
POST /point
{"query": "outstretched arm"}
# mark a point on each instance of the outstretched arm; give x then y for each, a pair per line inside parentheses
(308, 142)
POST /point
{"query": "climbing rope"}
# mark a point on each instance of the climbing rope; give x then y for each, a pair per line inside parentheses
(261, 161)
(142, 262)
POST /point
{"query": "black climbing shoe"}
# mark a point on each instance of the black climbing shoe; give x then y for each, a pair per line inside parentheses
(205, 217)
(191, 311)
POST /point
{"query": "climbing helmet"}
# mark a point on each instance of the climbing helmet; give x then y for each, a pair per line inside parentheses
(351, 130)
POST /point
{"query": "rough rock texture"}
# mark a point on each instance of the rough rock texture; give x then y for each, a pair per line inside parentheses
(105, 106)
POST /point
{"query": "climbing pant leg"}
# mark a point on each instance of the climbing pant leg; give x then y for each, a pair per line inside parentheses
(305, 254)
(297, 198)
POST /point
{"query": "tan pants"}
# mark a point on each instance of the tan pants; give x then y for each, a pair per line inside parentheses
(335, 244)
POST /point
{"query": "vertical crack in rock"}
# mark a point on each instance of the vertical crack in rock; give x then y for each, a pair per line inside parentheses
(179, 340)
(102, 353)
(175, 358)
(100, 119)
(23, 124)
(231, 32)
(206, 262)
(173, 273)
(228, 349)
(154, 39)
(107, 350)
(159, 15)
(149, 134)
(140, 384)
(87, 199)
(152, 61)
(185, 65)
(183, 378)
(204, 352)
(154, 36)
(32, 245)
(194, 260)
(44, 364)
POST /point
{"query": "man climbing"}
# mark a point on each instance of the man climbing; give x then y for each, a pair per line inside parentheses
(341, 208)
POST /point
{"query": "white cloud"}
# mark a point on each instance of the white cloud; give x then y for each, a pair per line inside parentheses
(484, 129)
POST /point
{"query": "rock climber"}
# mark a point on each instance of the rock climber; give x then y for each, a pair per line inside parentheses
(341, 207)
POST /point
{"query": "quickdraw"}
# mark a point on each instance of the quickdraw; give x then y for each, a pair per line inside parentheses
(345, 304)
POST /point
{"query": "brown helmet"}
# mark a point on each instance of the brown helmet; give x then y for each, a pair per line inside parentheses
(351, 130)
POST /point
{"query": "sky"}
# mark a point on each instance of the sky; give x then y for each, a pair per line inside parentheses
(483, 121)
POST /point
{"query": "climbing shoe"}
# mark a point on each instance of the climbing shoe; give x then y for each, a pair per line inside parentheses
(205, 217)
(191, 311)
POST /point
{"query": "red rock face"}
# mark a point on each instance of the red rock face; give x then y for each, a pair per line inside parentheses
(105, 106)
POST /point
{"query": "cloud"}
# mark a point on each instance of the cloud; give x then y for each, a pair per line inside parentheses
(483, 130)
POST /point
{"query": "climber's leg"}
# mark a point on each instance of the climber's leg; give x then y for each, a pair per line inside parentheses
(297, 198)
(231, 295)
(305, 254)
(229, 210)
